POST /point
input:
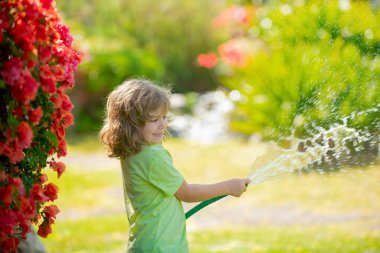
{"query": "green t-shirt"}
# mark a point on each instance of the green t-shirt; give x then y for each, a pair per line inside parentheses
(156, 217)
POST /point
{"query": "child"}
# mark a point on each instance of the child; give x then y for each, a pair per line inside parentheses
(133, 132)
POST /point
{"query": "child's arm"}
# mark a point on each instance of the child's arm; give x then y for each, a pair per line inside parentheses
(200, 192)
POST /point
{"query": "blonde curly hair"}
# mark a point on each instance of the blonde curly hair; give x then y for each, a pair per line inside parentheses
(128, 108)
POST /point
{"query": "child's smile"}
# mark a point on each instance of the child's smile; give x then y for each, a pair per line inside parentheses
(154, 129)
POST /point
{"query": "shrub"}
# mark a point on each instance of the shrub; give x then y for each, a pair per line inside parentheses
(302, 64)
(37, 64)
(123, 39)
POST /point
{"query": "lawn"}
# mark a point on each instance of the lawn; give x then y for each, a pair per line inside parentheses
(299, 213)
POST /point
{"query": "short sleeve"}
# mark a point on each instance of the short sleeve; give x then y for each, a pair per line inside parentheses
(163, 174)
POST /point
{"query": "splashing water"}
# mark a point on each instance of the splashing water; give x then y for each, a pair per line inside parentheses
(336, 146)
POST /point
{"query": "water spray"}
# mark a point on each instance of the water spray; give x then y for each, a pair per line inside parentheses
(330, 146)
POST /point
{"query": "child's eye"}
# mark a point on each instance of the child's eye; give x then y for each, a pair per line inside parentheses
(165, 117)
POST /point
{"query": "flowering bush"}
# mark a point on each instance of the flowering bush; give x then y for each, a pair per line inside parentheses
(37, 65)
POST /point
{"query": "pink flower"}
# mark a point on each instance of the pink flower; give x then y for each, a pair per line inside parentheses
(233, 52)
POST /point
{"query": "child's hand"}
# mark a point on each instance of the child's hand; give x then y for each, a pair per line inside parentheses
(238, 186)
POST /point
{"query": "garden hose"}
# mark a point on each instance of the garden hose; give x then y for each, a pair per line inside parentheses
(203, 204)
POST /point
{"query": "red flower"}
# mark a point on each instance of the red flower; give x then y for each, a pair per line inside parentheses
(45, 54)
(3, 176)
(36, 52)
(4, 24)
(28, 207)
(56, 99)
(23, 226)
(24, 135)
(47, 79)
(51, 211)
(36, 115)
(11, 70)
(59, 167)
(68, 120)
(6, 195)
(64, 31)
(10, 243)
(22, 30)
(42, 32)
(58, 71)
(18, 112)
(62, 150)
(66, 102)
(46, 4)
(25, 88)
(14, 154)
(207, 60)
(50, 191)
(7, 220)
(44, 230)
(37, 193)
(56, 127)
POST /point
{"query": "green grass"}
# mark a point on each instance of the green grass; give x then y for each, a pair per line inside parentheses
(332, 239)
(107, 233)
(93, 219)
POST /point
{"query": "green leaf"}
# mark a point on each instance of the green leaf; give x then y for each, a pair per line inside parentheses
(12, 122)
(2, 84)
(52, 138)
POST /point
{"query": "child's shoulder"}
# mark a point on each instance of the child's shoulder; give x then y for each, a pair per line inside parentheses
(152, 150)
(150, 154)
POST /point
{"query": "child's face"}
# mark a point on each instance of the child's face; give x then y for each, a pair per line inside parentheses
(154, 129)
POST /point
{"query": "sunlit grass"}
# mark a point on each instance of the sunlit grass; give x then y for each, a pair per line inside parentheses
(86, 188)
(290, 239)
(93, 219)
(86, 143)
(107, 233)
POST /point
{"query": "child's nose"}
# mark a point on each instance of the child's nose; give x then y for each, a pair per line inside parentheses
(163, 123)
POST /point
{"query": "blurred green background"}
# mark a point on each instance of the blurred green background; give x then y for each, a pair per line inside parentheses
(158, 40)
(290, 65)
(304, 61)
